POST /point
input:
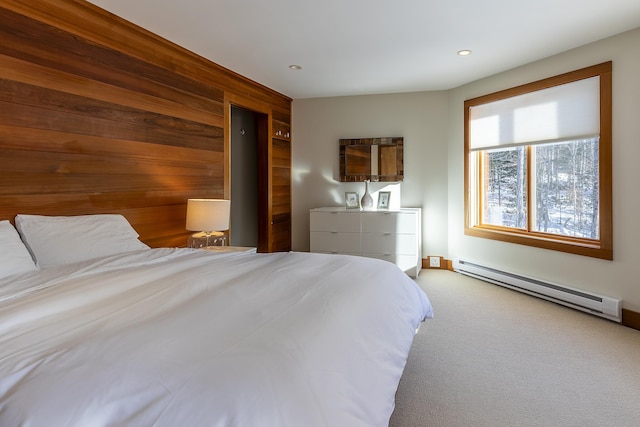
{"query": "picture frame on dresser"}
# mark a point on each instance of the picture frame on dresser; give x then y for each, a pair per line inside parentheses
(383, 200)
(351, 200)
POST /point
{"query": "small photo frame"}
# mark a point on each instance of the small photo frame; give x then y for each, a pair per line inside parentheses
(383, 199)
(351, 200)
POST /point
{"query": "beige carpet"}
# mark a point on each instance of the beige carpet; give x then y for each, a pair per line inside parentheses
(496, 357)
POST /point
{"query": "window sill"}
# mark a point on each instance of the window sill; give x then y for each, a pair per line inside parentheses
(595, 249)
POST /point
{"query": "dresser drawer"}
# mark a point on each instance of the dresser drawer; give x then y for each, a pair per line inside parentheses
(335, 221)
(390, 222)
(387, 243)
(408, 263)
(334, 242)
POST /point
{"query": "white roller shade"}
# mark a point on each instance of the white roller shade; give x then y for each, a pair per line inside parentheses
(567, 112)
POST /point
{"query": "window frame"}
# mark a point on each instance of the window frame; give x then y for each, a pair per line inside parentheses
(600, 248)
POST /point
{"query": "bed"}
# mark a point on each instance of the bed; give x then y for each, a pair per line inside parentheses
(126, 335)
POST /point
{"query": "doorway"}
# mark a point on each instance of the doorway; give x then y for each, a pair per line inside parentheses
(244, 221)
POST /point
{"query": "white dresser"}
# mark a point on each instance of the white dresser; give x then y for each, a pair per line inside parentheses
(392, 235)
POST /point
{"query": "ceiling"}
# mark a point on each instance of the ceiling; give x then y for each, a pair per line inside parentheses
(354, 47)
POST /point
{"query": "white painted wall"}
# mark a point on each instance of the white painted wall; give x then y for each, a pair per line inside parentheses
(432, 125)
(319, 124)
(619, 278)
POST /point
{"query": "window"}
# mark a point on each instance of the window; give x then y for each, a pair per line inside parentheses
(538, 164)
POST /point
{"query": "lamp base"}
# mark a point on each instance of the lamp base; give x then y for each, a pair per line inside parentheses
(204, 239)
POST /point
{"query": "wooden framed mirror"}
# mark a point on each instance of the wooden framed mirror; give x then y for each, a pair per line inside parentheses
(374, 159)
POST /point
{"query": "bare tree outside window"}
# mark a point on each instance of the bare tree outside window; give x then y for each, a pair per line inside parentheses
(566, 187)
(505, 202)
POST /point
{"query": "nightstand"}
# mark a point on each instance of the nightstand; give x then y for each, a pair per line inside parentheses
(247, 249)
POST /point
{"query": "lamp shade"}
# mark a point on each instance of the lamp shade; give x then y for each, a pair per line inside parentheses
(208, 214)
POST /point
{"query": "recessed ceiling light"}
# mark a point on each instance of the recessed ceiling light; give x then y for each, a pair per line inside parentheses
(295, 67)
(464, 52)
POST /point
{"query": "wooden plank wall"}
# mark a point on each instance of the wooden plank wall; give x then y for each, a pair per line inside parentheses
(100, 116)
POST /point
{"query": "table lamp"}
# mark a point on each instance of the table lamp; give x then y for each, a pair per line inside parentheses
(210, 218)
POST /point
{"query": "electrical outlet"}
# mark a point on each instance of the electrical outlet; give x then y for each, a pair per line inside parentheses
(434, 261)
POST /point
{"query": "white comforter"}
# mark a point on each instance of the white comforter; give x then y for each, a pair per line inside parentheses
(173, 337)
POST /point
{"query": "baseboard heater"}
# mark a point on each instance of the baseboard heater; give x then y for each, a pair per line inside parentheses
(609, 308)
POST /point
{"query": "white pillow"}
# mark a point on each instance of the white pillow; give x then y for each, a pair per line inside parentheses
(14, 256)
(58, 240)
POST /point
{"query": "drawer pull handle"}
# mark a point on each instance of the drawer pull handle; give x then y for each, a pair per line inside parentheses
(387, 234)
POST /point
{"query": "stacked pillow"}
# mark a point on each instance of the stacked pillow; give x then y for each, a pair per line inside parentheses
(45, 241)
(59, 240)
(14, 256)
